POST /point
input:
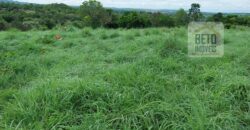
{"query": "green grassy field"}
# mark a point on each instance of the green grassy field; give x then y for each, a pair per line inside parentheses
(122, 79)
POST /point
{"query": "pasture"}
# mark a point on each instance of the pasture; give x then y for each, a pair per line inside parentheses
(121, 79)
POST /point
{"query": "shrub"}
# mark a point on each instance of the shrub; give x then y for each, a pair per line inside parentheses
(46, 39)
(86, 32)
(114, 35)
(78, 24)
(68, 45)
(3, 25)
(70, 28)
(171, 46)
(25, 26)
(134, 20)
(228, 26)
(104, 36)
(147, 32)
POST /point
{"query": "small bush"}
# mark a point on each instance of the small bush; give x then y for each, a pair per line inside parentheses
(147, 33)
(104, 36)
(46, 39)
(70, 29)
(129, 37)
(226, 41)
(228, 26)
(114, 35)
(86, 32)
(155, 32)
(3, 25)
(68, 44)
(171, 46)
(10, 37)
(137, 33)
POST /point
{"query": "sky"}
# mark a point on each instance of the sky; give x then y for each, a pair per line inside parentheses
(239, 6)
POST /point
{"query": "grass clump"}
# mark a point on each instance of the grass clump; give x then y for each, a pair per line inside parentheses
(68, 45)
(114, 35)
(172, 46)
(46, 39)
(104, 36)
(86, 32)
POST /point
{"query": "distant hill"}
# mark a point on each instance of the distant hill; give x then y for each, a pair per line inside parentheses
(142, 10)
(121, 10)
(12, 1)
(6, 1)
(168, 11)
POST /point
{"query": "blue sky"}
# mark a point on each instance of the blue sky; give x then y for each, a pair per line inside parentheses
(207, 5)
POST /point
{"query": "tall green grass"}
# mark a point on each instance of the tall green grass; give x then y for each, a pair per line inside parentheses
(121, 79)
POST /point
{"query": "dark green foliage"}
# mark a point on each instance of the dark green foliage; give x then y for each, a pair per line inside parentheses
(46, 39)
(92, 14)
(230, 20)
(104, 36)
(228, 26)
(113, 21)
(86, 32)
(3, 24)
(181, 17)
(218, 17)
(161, 20)
(68, 45)
(49, 23)
(171, 46)
(29, 16)
(195, 12)
(114, 35)
(133, 20)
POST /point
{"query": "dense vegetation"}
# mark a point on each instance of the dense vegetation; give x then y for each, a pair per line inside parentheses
(91, 13)
(121, 79)
(29, 16)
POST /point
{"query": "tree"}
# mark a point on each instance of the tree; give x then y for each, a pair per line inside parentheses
(181, 17)
(248, 21)
(3, 24)
(133, 20)
(195, 12)
(113, 21)
(230, 20)
(94, 14)
(49, 23)
(218, 17)
(242, 21)
(162, 20)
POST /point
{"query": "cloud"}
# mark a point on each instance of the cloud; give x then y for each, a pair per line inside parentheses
(207, 5)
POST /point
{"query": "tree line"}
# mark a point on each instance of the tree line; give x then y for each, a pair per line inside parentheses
(92, 14)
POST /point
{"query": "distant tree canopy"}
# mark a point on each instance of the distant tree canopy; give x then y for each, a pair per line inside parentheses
(134, 20)
(181, 17)
(94, 14)
(32, 16)
(195, 12)
(218, 17)
(229, 20)
(3, 24)
(91, 13)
